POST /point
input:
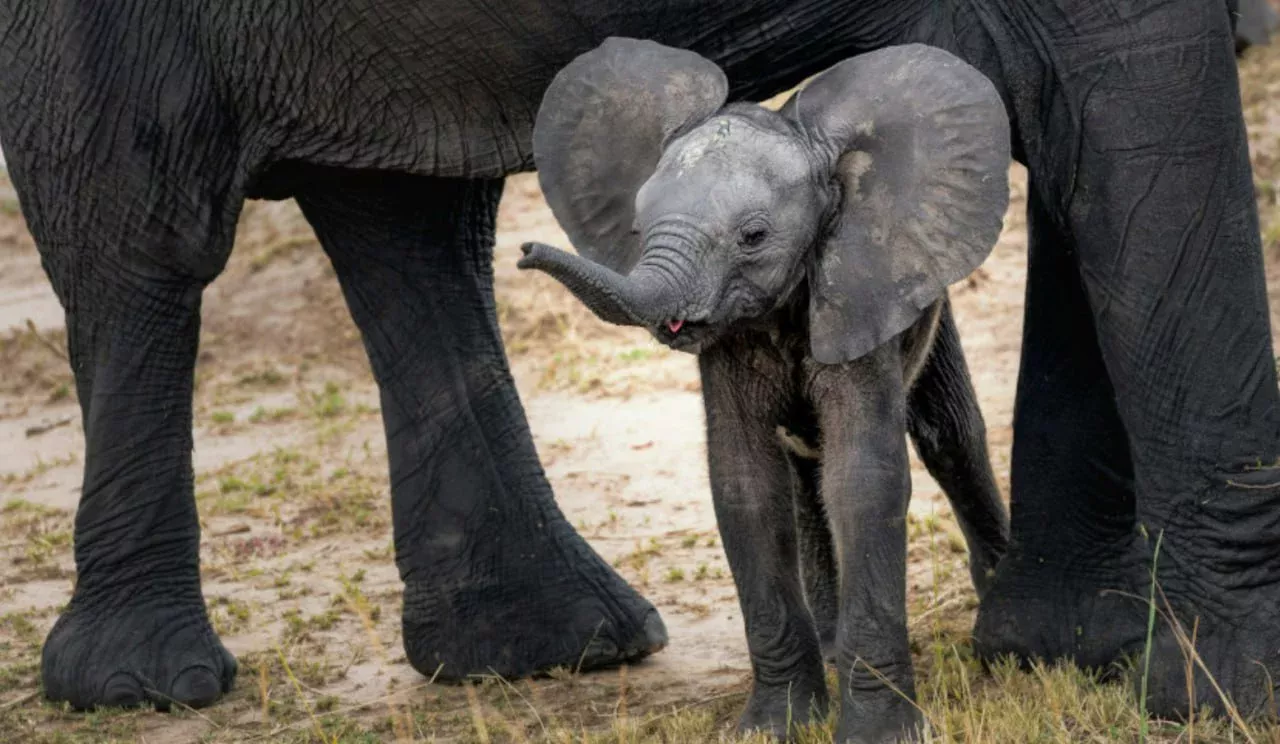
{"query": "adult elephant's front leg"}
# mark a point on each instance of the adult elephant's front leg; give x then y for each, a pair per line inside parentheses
(1065, 587)
(1159, 200)
(136, 628)
(496, 580)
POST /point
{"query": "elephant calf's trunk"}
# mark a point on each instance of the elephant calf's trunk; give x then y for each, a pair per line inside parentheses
(613, 298)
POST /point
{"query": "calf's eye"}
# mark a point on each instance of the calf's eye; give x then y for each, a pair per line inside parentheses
(754, 236)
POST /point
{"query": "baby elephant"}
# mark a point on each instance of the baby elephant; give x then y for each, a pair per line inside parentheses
(804, 255)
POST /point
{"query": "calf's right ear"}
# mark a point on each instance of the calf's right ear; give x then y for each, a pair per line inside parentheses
(601, 129)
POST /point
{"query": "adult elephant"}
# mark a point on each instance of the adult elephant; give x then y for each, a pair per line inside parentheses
(1147, 397)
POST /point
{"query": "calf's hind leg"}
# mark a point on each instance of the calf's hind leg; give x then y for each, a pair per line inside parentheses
(818, 571)
(946, 425)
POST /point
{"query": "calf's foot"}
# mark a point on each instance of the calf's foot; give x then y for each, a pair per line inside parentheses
(888, 720)
(129, 647)
(779, 709)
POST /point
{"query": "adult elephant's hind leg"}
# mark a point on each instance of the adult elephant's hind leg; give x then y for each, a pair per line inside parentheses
(1166, 227)
(496, 580)
(1065, 587)
(1149, 190)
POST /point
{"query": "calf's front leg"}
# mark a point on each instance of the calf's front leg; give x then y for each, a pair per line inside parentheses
(751, 489)
(866, 485)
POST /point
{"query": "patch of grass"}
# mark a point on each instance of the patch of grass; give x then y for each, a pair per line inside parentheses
(960, 701)
(16, 507)
(381, 555)
(640, 557)
(222, 418)
(673, 575)
(266, 377)
(34, 360)
(229, 616)
(43, 533)
(636, 355)
(300, 493)
(299, 627)
(329, 402)
(302, 591)
(20, 641)
(42, 546)
(20, 625)
(272, 415)
(41, 467)
(280, 249)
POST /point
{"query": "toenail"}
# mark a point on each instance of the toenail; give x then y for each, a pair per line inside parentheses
(122, 690)
(196, 686)
(655, 631)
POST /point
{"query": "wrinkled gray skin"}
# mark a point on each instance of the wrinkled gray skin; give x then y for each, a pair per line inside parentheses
(751, 227)
(135, 130)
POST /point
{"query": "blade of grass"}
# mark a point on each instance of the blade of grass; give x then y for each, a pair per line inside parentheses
(306, 703)
(477, 715)
(1144, 726)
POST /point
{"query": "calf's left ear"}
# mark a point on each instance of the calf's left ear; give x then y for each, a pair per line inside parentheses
(919, 142)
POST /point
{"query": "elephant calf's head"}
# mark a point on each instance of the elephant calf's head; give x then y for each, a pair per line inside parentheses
(880, 183)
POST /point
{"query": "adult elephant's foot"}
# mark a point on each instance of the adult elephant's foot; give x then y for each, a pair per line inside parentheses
(129, 647)
(1042, 610)
(529, 620)
(1241, 656)
(1045, 606)
(1219, 582)
(779, 709)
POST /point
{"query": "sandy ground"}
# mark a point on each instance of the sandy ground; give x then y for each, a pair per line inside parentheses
(291, 481)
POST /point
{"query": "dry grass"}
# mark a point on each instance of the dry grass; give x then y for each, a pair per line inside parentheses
(284, 693)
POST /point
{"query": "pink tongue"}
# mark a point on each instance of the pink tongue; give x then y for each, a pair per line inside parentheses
(675, 325)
